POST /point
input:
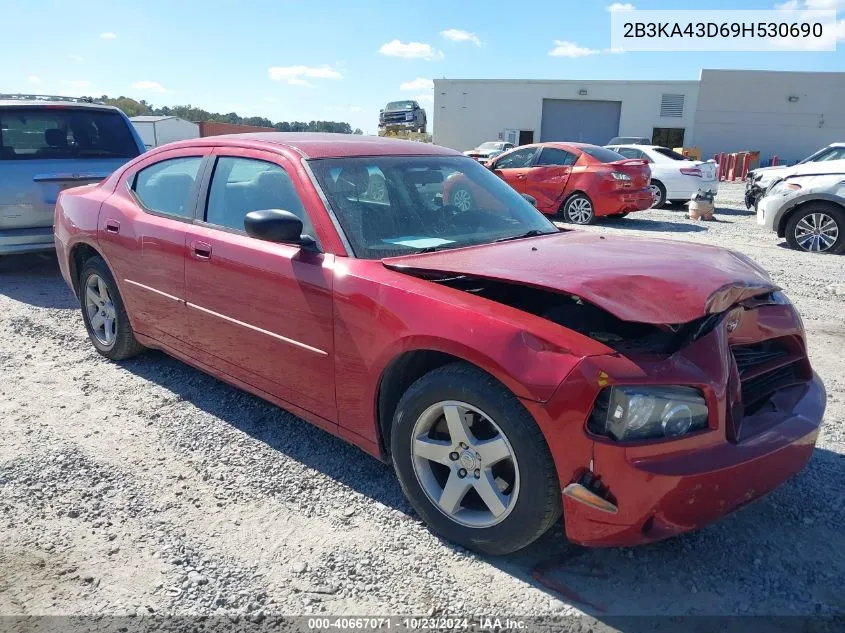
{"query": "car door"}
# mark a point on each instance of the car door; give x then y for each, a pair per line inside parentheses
(141, 230)
(258, 310)
(513, 167)
(546, 181)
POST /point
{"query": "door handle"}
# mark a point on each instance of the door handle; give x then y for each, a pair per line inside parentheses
(201, 250)
(520, 177)
(112, 226)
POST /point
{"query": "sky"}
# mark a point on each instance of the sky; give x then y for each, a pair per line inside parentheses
(335, 60)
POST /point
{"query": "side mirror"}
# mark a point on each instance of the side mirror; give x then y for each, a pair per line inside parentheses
(530, 199)
(275, 225)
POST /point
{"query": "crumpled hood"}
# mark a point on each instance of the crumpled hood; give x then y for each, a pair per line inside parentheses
(635, 279)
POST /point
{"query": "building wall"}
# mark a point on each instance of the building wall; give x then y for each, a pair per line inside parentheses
(750, 110)
(469, 112)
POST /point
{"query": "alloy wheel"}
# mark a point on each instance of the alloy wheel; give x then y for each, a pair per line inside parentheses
(580, 211)
(656, 194)
(100, 310)
(465, 464)
(816, 232)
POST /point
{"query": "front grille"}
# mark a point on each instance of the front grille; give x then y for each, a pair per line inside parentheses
(750, 357)
(394, 117)
(763, 369)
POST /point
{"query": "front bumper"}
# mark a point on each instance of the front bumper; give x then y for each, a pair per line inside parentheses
(398, 125)
(768, 211)
(18, 241)
(664, 488)
(663, 496)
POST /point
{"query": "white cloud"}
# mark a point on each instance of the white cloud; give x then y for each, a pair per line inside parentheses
(420, 83)
(411, 50)
(457, 35)
(571, 49)
(270, 99)
(149, 86)
(812, 5)
(108, 35)
(620, 6)
(76, 58)
(424, 98)
(296, 75)
(75, 83)
(34, 79)
(810, 43)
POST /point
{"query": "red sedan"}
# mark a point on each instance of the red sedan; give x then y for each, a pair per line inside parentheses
(510, 372)
(578, 181)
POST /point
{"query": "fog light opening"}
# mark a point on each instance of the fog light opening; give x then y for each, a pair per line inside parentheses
(648, 525)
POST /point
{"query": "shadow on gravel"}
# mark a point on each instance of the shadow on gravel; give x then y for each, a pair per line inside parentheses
(35, 279)
(643, 224)
(784, 555)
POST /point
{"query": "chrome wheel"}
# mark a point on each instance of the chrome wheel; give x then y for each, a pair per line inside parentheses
(656, 194)
(816, 232)
(580, 211)
(465, 464)
(462, 199)
(100, 310)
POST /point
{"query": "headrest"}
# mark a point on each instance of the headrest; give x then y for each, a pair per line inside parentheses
(55, 137)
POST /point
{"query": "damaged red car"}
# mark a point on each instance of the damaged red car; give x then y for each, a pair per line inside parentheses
(578, 182)
(511, 372)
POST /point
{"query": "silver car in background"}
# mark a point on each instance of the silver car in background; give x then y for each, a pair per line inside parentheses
(808, 207)
(48, 144)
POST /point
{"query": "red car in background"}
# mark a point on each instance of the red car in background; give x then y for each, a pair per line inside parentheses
(577, 180)
(511, 372)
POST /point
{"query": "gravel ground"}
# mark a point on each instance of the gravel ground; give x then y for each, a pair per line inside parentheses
(147, 487)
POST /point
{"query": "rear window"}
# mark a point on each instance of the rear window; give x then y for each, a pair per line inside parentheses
(602, 154)
(33, 133)
(668, 153)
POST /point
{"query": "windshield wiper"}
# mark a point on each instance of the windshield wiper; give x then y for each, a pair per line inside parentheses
(427, 249)
(531, 233)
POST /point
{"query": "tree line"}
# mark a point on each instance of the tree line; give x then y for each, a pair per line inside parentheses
(190, 113)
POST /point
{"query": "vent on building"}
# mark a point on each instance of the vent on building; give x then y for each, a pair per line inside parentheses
(672, 105)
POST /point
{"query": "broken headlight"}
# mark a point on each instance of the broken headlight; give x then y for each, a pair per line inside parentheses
(628, 414)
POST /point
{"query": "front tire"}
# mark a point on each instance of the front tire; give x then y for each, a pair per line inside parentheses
(817, 228)
(578, 209)
(472, 461)
(104, 313)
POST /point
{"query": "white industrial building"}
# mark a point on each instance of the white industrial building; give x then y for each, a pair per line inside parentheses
(159, 130)
(788, 114)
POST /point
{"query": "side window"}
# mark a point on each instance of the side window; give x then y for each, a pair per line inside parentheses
(241, 185)
(516, 160)
(166, 187)
(554, 156)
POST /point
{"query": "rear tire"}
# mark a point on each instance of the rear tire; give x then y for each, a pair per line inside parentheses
(817, 227)
(578, 209)
(104, 314)
(518, 467)
(659, 193)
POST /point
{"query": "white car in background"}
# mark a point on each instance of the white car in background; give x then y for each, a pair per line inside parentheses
(674, 177)
(489, 150)
(807, 207)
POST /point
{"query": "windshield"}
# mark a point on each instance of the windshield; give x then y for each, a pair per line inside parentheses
(64, 133)
(491, 145)
(828, 153)
(398, 205)
(400, 105)
(601, 153)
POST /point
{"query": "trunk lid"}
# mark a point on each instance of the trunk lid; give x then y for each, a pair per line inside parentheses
(636, 168)
(29, 188)
(635, 279)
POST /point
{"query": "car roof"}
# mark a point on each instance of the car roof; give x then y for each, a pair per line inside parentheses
(44, 103)
(323, 145)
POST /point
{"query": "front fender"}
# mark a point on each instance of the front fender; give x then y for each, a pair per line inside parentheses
(801, 199)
